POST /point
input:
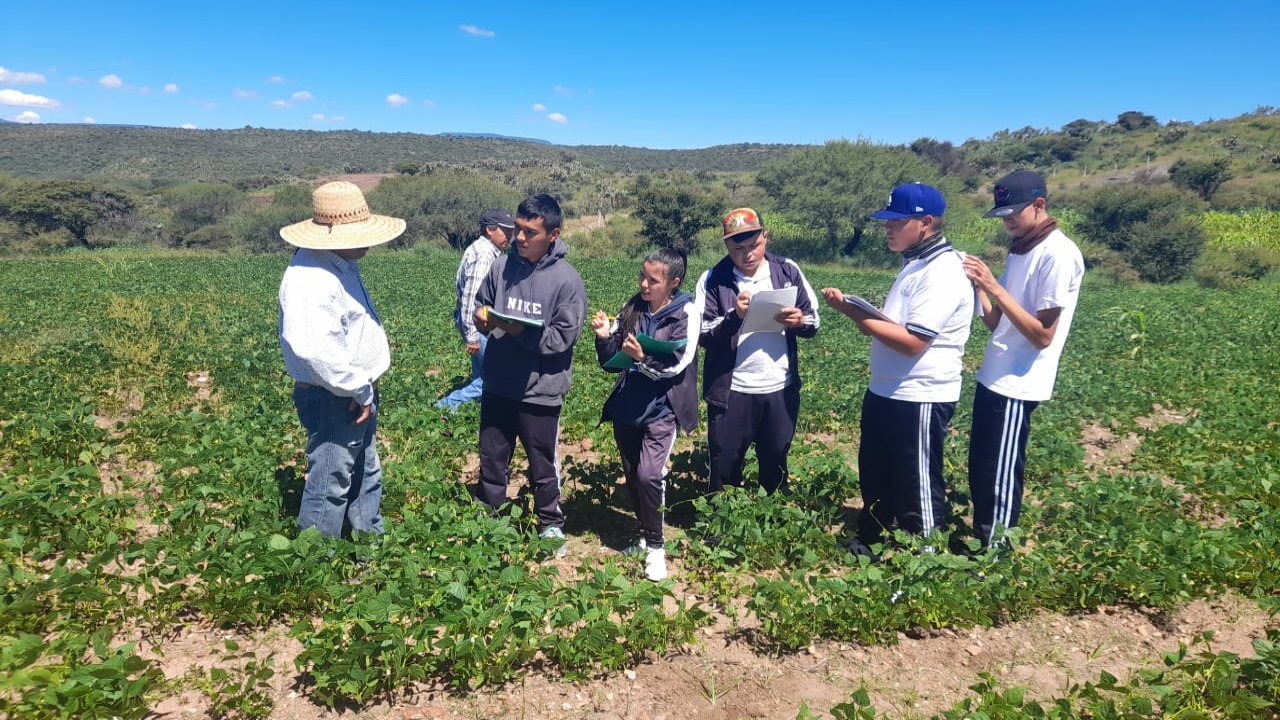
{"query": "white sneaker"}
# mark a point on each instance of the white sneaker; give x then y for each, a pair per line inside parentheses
(554, 532)
(655, 564)
(636, 549)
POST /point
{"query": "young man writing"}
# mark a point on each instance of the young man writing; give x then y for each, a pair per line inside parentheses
(1029, 311)
(750, 381)
(529, 362)
(916, 353)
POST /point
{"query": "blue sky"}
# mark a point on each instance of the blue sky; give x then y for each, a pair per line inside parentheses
(657, 74)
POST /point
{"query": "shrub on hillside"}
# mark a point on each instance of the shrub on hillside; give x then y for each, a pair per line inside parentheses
(1261, 193)
(1102, 260)
(1227, 270)
(1152, 228)
(442, 207)
(620, 236)
(1162, 250)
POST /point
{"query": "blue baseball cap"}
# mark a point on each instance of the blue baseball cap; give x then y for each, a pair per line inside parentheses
(912, 200)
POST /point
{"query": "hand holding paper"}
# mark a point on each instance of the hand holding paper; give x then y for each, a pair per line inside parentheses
(766, 305)
(867, 308)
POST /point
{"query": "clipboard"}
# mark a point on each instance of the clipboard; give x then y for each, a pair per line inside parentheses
(527, 322)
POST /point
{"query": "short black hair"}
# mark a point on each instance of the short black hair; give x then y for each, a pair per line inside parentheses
(541, 206)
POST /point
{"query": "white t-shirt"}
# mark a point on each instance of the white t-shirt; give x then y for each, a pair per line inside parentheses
(931, 297)
(1047, 277)
(762, 364)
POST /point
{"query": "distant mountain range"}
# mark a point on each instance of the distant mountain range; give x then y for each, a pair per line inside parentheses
(104, 151)
(494, 137)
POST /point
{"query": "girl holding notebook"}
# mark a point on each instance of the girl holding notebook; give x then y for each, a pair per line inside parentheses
(652, 345)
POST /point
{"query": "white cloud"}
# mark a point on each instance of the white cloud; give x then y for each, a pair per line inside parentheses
(396, 100)
(317, 116)
(281, 103)
(18, 78)
(27, 116)
(21, 99)
(171, 88)
(557, 118)
(539, 107)
(275, 79)
(111, 81)
(562, 90)
(301, 95)
(244, 94)
(89, 121)
(187, 126)
(478, 32)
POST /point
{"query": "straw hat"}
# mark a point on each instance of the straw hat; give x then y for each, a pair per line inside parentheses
(342, 221)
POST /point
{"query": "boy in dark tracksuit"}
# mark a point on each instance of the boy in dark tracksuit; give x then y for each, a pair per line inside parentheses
(657, 395)
(528, 365)
(751, 382)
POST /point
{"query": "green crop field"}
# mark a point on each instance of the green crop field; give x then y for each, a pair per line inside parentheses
(151, 464)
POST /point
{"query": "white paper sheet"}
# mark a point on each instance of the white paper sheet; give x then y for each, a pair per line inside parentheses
(765, 305)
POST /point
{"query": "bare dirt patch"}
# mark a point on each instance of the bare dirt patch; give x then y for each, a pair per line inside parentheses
(1105, 450)
(364, 181)
(723, 678)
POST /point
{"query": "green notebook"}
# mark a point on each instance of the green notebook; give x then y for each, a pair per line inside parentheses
(527, 322)
(622, 361)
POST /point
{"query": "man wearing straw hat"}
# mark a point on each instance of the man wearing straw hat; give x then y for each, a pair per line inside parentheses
(335, 349)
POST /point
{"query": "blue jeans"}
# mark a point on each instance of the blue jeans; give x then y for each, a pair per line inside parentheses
(473, 390)
(344, 475)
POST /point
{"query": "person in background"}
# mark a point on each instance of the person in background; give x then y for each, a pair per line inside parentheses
(657, 395)
(529, 363)
(496, 229)
(751, 381)
(336, 350)
(916, 353)
(1029, 312)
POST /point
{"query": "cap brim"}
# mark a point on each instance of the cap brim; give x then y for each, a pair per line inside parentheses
(312, 235)
(890, 215)
(740, 235)
(1005, 211)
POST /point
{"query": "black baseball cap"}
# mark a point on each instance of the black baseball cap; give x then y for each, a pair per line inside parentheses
(497, 217)
(1015, 191)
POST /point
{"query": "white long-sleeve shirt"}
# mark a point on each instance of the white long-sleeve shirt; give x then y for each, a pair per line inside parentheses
(329, 331)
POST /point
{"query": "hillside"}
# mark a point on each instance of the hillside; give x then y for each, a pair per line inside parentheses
(114, 152)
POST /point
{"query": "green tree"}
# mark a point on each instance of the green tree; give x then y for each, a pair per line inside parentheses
(443, 206)
(1133, 120)
(1202, 177)
(673, 215)
(835, 187)
(72, 205)
(198, 205)
(257, 229)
